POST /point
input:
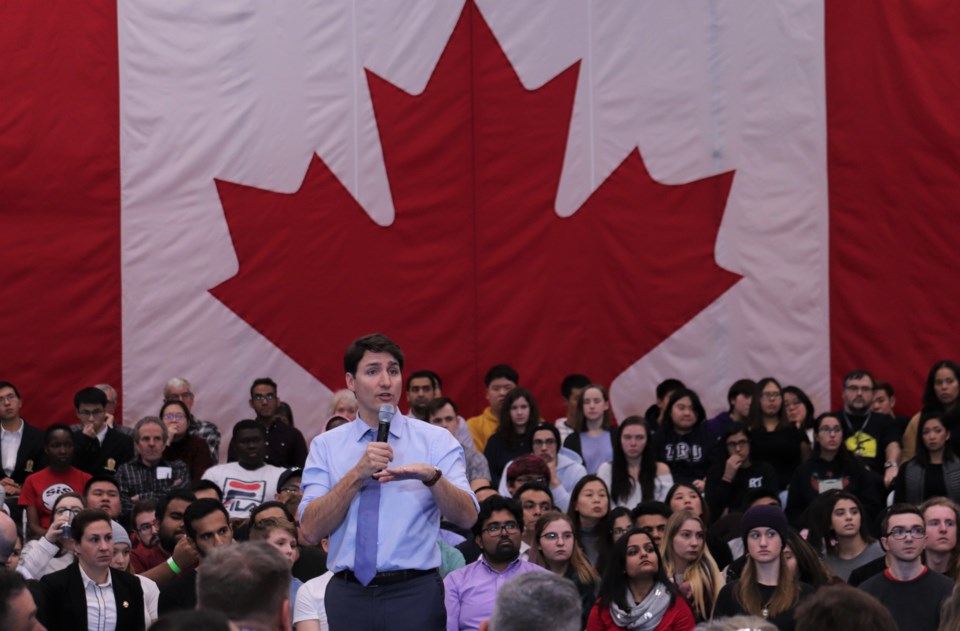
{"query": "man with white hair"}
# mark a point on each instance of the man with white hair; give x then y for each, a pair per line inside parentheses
(537, 601)
(179, 389)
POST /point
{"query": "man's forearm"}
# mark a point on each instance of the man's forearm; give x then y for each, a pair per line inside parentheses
(454, 503)
(893, 452)
(323, 514)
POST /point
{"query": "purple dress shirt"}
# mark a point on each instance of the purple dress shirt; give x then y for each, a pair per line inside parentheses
(472, 591)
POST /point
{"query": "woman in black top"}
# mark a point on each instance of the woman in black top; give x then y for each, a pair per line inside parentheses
(774, 439)
(519, 418)
(684, 443)
(935, 471)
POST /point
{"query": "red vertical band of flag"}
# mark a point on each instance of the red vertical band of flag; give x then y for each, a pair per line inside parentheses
(893, 81)
(59, 202)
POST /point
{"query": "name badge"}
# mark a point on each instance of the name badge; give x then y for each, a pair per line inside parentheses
(164, 473)
(833, 484)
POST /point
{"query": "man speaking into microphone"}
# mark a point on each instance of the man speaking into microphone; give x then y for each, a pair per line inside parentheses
(380, 501)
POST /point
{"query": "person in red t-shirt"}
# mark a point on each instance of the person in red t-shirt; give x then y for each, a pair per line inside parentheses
(41, 489)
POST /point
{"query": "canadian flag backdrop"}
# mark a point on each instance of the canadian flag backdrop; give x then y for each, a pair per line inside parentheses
(632, 190)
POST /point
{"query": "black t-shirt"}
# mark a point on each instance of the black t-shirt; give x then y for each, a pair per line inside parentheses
(915, 605)
(780, 449)
(867, 436)
(727, 604)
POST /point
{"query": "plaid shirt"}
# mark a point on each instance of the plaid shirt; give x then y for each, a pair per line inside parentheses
(208, 432)
(138, 480)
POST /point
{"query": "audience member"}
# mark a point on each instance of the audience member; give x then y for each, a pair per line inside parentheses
(175, 553)
(470, 592)
(942, 393)
(589, 510)
(907, 588)
(570, 389)
(636, 593)
(98, 448)
(422, 386)
(535, 601)
(179, 389)
(843, 608)
(651, 517)
(884, 400)
(102, 492)
(556, 549)
(688, 563)
(687, 497)
(250, 583)
(871, 437)
(282, 535)
(18, 611)
(499, 380)
(90, 594)
(22, 451)
(519, 417)
(730, 479)
(774, 440)
(842, 534)
(343, 403)
(535, 500)
(143, 519)
(309, 613)
(935, 470)
(592, 424)
(739, 397)
(443, 412)
(633, 475)
(206, 489)
(149, 476)
(683, 443)
(942, 549)
(799, 410)
(250, 480)
(40, 489)
(566, 466)
(620, 523)
(55, 549)
(183, 446)
(285, 445)
(656, 412)
(121, 561)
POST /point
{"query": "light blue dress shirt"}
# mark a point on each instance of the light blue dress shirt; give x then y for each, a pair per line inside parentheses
(409, 517)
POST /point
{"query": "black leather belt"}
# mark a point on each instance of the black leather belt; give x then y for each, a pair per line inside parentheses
(385, 578)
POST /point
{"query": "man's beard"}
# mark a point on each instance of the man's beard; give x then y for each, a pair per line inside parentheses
(167, 542)
(503, 553)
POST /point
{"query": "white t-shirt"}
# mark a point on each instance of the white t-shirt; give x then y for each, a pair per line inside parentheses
(244, 489)
(310, 601)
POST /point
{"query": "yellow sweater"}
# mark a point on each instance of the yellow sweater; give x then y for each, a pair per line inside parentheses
(482, 428)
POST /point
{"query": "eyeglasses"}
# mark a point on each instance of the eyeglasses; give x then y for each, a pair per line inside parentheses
(9, 397)
(553, 536)
(496, 528)
(173, 417)
(290, 489)
(830, 430)
(72, 511)
(900, 533)
(618, 532)
(858, 388)
(264, 397)
(147, 527)
(178, 397)
(527, 479)
(737, 444)
(546, 442)
(90, 413)
(771, 396)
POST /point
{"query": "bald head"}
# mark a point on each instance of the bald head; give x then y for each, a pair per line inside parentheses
(8, 537)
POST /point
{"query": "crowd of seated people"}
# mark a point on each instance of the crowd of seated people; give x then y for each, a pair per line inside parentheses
(664, 520)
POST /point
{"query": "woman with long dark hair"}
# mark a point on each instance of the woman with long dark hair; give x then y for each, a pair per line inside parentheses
(765, 588)
(832, 467)
(799, 410)
(590, 513)
(591, 437)
(684, 443)
(193, 450)
(635, 593)
(935, 470)
(519, 418)
(773, 438)
(634, 475)
(841, 535)
(941, 393)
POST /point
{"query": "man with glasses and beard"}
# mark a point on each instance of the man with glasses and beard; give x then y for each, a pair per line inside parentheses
(872, 437)
(178, 555)
(911, 591)
(471, 591)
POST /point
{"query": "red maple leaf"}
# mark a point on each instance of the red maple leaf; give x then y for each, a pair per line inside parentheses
(477, 268)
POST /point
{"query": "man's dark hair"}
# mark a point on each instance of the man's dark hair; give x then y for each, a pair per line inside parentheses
(175, 494)
(11, 586)
(425, 374)
(553, 430)
(100, 477)
(89, 396)
(843, 607)
(501, 371)
(858, 374)
(667, 386)
(650, 507)
(248, 424)
(193, 619)
(148, 505)
(374, 343)
(533, 486)
(267, 505)
(573, 381)
(746, 387)
(248, 582)
(496, 503)
(434, 407)
(753, 495)
(56, 427)
(7, 384)
(901, 508)
(204, 485)
(886, 387)
(197, 511)
(263, 381)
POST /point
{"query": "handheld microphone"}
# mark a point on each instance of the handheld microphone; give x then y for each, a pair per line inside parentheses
(383, 429)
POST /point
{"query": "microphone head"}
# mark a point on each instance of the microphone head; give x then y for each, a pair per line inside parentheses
(386, 413)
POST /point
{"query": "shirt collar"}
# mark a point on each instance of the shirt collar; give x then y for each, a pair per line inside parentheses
(87, 581)
(513, 564)
(396, 426)
(102, 433)
(19, 431)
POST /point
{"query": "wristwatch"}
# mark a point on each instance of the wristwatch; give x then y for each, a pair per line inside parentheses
(890, 464)
(436, 477)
